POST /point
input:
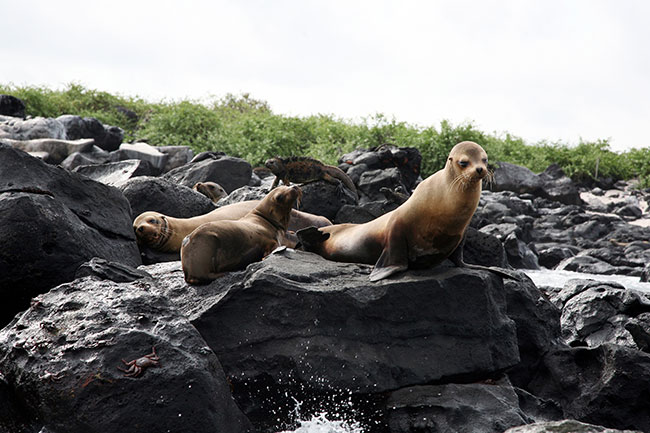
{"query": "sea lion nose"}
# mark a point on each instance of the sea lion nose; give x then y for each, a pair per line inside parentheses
(479, 170)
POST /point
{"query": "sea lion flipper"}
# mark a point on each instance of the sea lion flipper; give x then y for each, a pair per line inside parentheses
(310, 238)
(394, 256)
(379, 272)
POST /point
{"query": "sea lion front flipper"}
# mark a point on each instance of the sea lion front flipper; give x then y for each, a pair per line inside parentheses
(393, 258)
(380, 272)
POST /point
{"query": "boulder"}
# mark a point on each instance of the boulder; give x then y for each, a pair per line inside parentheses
(406, 160)
(586, 264)
(245, 193)
(141, 151)
(359, 214)
(324, 198)
(92, 157)
(594, 313)
(108, 138)
(116, 173)
(511, 177)
(538, 326)
(52, 151)
(483, 249)
(605, 385)
(557, 186)
(11, 106)
(157, 194)
(52, 221)
(29, 129)
(229, 172)
(177, 156)
(566, 425)
(551, 254)
(459, 408)
(371, 182)
(63, 360)
(297, 324)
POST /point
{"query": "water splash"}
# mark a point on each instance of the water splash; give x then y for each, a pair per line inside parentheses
(321, 424)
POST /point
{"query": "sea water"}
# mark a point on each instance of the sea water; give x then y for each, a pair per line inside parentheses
(322, 424)
(554, 278)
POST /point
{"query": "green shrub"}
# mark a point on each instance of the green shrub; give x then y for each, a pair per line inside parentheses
(242, 126)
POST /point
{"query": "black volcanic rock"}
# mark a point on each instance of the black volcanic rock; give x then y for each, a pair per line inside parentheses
(52, 221)
(229, 172)
(158, 194)
(63, 357)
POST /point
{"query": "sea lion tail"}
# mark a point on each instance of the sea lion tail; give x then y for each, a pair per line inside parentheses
(310, 238)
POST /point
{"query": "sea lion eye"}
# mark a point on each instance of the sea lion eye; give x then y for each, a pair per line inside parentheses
(463, 163)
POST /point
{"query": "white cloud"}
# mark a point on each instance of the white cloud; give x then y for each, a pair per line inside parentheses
(541, 70)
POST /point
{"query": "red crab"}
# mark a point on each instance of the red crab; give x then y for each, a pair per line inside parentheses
(137, 365)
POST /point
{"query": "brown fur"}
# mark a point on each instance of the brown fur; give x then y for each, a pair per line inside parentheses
(222, 246)
(211, 190)
(165, 234)
(423, 231)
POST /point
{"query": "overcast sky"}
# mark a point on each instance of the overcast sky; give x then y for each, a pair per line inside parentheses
(544, 69)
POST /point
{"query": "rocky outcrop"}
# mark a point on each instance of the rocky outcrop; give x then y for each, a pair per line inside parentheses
(50, 150)
(29, 129)
(157, 194)
(229, 172)
(141, 151)
(63, 358)
(605, 385)
(462, 408)
(108, 138)
(567, 425)
(439, 349)
(11, 106)
(116, 173)
(52, 221)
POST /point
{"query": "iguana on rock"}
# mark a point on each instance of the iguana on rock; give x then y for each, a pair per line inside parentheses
(302, 169)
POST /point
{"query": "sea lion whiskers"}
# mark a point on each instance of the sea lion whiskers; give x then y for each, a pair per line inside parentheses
(462, 182)
(489, 178)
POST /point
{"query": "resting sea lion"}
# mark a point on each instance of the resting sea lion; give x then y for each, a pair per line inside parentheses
(211, 190)
(422, 232)
(222, 246)
(162, 233)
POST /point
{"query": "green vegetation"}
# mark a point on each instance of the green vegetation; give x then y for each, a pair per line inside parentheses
(245, 127)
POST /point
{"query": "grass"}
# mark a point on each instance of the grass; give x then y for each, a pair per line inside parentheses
(242, 126)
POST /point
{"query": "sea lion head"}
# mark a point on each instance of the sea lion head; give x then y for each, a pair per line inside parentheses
(151, 229)
(212, 190)
(467, 164)
(276, 206)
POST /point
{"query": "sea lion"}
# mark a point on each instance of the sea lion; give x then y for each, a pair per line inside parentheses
(422, 232)
(220, 246)
(211, 190)
(162, 233)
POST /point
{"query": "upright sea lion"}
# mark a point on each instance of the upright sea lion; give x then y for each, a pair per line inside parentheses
(211, 190)
(222, 246)
(422, 232)
(163, 233)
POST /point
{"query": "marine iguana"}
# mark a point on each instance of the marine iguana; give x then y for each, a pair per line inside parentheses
(303, 169)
